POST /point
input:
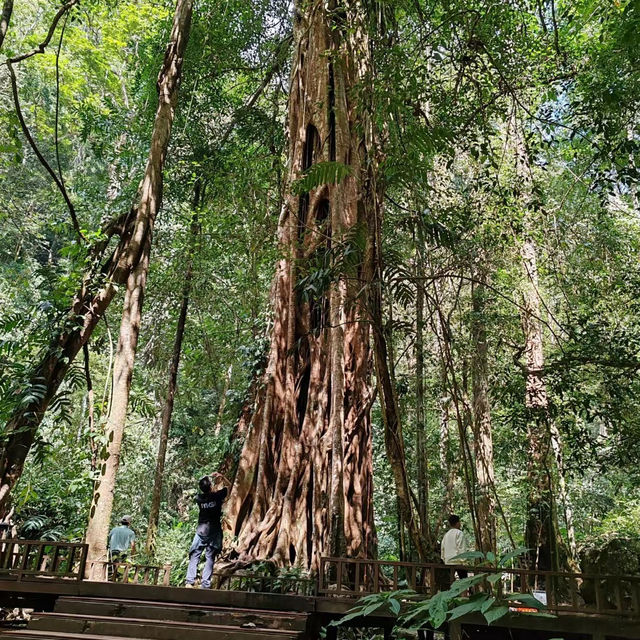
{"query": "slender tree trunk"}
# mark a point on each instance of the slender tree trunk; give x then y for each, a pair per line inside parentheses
(99, 285)
(481, 421)
(422, 459)
(151, 198)
(5, 18)
(172, 386)
(102, 503)
(445, 455)
(311, 415)
(541, 532)
(394, 440)
(556, 445)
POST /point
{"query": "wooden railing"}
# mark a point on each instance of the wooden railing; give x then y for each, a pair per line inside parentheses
(21, 559)
(292, 585)
(130, 573)
(616, 595)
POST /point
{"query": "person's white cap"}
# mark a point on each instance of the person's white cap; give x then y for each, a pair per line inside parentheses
(126, 519)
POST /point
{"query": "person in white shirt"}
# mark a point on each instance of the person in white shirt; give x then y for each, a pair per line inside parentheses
(453, 544)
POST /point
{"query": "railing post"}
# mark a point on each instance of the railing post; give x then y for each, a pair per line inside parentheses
(24, 560)
(376, 578)
(320, 579)
(83, 561)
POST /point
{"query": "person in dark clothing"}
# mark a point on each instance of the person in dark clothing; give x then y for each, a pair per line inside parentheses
(208, 537)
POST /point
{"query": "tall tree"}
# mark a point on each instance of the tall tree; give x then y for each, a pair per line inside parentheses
(304, 478)
(481, 419)
(100, 283)
(541, 532)
(422, 459)
(150, 194)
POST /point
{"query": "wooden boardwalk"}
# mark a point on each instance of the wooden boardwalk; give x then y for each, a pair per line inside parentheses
(67, 606)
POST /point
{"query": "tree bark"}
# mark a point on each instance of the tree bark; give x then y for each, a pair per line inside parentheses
(172, 386)
(5, 18)
(289, 502)
(481, 421)
(150, 201)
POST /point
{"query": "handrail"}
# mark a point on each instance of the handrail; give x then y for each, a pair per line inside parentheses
(606, 594)
(130, 573)
(42, 559)
(261, 583)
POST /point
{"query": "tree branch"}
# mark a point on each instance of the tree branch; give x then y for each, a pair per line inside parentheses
(43, 45)
(34, 147)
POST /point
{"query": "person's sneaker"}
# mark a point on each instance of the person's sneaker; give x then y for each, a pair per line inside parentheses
(189, 585)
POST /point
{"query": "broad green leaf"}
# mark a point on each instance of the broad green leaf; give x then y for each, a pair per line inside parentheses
(526, 599)
(491, 615)
(464, 609)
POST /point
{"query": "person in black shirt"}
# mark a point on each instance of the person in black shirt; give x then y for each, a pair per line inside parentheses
(208, 538)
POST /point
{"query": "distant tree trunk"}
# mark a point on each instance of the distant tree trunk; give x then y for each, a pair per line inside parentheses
(100, 283)
(172, 386)
(448, 471)
(311, 415)
(5, 18)
(541, 530)
(481, 421)
(393, 436)
(422, 459)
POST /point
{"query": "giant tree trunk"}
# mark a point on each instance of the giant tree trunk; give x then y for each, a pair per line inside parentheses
(303, 485)
(150, 200)
(172, 386)
(482, 436)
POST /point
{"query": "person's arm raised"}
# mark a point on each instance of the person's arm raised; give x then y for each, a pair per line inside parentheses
(219, 476)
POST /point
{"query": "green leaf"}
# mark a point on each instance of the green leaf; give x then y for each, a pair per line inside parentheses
(463, 609)
(494, 577)
(495, 614)
(526, 599)
(319, 174)
(487, 604)
(518, 551)
(394, 605)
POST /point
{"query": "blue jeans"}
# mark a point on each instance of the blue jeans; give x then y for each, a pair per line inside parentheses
(211, 545)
